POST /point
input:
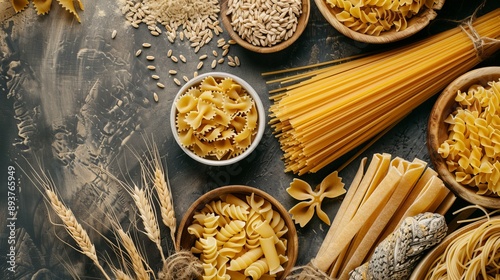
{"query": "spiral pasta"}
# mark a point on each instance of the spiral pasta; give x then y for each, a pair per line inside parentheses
(238, 238)
(472, 149)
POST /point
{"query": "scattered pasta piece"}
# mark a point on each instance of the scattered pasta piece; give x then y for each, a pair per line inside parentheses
(42, 7)
(472, 149)
(330, 187)
(216, 119)
(237, 239)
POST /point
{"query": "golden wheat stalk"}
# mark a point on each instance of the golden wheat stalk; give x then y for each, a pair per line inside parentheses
(152, 230)
(162, 187)
(136, 258)
(74, 228)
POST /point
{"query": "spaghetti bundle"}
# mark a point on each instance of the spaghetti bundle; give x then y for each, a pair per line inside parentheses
(471, 255)
(330, 111)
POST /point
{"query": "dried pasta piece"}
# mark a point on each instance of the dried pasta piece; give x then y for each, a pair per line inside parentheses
(19, 5)
(70, 7)
(42, 7)
(330, 187)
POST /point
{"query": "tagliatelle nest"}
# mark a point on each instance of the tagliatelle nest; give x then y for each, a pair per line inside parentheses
(42, 7)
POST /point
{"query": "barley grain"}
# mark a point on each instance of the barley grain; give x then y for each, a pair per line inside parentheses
(220, 61)
(169, 53)
(185, 78)
(155, 77)
(150, 57)
(155, 97)
(200, 64)
(237, 60)
(138, 52)
(177, 82)
(172, 72)
(113, 34)
(202, 57)
(182, 58)
(232, 64)
(214, 52)
(160, 85)
(214, 63)
(151, 67)
(174, 58)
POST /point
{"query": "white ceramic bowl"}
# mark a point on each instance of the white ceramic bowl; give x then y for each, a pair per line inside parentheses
(261, 122)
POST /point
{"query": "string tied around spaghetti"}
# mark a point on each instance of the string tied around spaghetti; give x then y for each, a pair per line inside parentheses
(479, 42)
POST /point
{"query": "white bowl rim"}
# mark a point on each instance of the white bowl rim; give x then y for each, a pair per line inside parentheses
(260, 110)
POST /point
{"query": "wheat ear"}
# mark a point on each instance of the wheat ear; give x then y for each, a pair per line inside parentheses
(120, 275)
(134, 255)
(74, 228)
(162, 188)
(151, 227)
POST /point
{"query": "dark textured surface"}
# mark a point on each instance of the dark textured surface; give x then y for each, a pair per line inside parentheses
(71, 97)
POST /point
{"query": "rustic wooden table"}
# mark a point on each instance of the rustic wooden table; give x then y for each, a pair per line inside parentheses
(72, 97)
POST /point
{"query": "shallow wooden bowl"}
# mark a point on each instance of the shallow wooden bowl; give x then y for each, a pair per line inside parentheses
(415, 24)
(437, 133)
(185, 241)
(425, 264)
(302, 23)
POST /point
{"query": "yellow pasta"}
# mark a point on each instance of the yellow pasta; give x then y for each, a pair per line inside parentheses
(330, 111)
(217, 119)
(471, 255)
(472, 149)
(239, 237)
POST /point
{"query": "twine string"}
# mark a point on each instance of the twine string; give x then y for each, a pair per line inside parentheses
(479, 42)
(182, 265)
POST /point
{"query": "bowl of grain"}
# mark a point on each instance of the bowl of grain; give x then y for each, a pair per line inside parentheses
(247, 224)
(268, 27)
(462, 136)
(377, 25)
(217, 118)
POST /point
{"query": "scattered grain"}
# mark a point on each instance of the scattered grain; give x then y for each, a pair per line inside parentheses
(182, 58)
(150, 57)
(138, 52)
(146, 45)
(172, 72)
(200, 64)
(214, 52)
(214, 63)
(151, 67)
(203, 57)
(237, 60)
(177, 82)
(155, 77)
(155, 96)
(160, 85)
(185, 78)
(169, 53)
(232, 64)
(174, 58)
(113, 34)
(220, 61)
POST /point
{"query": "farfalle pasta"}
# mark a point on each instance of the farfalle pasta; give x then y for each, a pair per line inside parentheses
(373, 17)
(216, 119)
(243, 245)
(472, 149)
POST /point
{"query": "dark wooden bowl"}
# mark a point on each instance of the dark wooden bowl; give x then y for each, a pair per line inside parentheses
(437, 133)
(301, 25)
(415, 24)
(184, 240)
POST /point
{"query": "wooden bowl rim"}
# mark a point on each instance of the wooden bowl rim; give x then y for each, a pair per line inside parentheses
(415, 24)
(301, 26)
(425, 263)
(441, 109)
(292, 237)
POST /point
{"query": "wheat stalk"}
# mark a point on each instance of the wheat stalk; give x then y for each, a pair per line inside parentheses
(120, 275)
(162, 187)
(74, 228)
(148, 217)
(134, 255)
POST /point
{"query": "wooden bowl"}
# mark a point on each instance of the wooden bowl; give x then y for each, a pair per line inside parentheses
(185, 241)
(301, 25)
(415, 24)
(425, 264)
(437, 133)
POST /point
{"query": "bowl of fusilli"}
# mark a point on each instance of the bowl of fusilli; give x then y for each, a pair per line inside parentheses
(239, 231)
(463, 136)
(379, 21)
